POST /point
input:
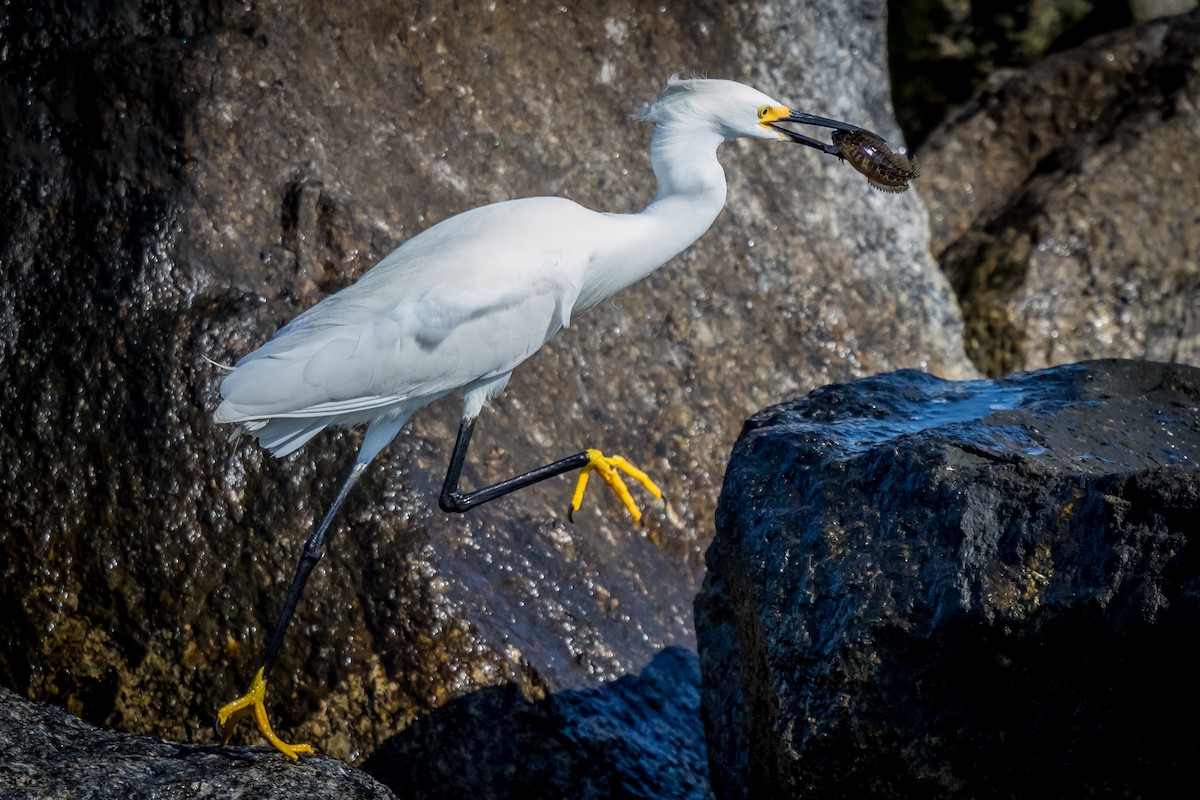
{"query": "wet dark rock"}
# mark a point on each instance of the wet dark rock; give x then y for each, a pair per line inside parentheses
(637, 737)
(1063, 203)
(922, 588)
(49, 754)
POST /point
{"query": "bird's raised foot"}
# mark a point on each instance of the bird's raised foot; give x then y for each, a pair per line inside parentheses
(252, 701)
(610, 468)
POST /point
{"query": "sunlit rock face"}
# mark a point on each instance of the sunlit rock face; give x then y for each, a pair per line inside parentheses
(180, 179)
(924, 588)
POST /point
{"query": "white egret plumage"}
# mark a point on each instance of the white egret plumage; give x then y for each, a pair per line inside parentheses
(459, 306)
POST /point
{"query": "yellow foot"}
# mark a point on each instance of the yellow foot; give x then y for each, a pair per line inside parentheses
(610, 468)
(229, 716)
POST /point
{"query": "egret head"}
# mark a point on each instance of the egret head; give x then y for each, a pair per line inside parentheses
(732, 110)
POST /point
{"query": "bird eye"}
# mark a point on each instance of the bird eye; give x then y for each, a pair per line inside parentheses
(762, 112)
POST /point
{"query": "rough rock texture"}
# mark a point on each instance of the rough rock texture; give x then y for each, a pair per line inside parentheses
(932, 589)
(1065, 203)
(639, 736)
(636, 737)
(49, 754)
(179, 179)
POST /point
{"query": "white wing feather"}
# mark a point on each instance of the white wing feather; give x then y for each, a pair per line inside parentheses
(453, 306)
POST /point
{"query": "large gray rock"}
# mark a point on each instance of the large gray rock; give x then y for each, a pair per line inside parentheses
(179, 182)
(1063, 203)
(922, 588)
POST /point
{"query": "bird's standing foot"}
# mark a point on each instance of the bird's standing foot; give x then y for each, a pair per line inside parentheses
(230, 715)
(610, 468)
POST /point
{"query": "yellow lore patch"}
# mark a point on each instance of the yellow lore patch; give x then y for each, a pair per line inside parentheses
(769, 114)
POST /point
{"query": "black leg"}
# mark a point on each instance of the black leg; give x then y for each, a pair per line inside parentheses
(453, 500)
(314, 549)
(252, 702)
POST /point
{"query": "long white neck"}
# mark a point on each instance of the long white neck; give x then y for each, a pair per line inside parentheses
(685, 163)
(691, 193)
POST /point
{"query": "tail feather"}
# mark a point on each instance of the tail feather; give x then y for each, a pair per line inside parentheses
(284, 436)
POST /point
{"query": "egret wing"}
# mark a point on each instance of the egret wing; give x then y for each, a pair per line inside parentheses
(424, 347)
(464, 301)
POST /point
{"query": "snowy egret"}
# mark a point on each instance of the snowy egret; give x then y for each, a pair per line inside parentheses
(456, 308)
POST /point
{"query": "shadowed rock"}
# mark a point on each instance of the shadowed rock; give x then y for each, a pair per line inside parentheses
(931, 589)
(637, 737)
(1063, 203)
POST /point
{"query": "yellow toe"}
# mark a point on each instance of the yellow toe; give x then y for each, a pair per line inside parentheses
(610, 468)
(252, 702)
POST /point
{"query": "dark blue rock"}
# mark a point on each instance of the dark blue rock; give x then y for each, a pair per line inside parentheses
(637, 737)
